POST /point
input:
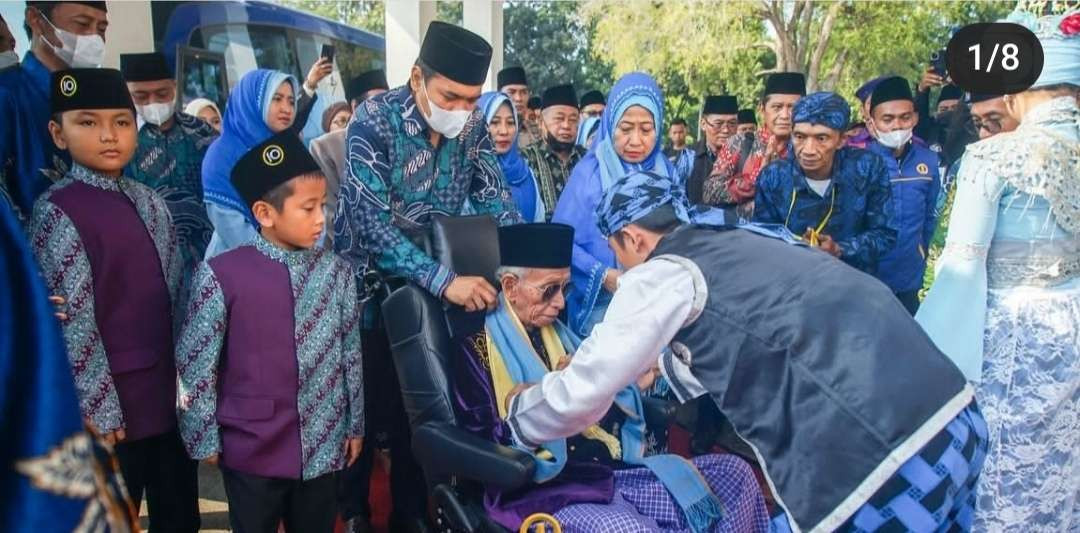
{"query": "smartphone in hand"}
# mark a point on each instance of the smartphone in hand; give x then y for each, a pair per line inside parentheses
(328, 52)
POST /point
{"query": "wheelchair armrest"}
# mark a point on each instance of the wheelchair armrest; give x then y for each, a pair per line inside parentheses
(658, 412)
(443, 449)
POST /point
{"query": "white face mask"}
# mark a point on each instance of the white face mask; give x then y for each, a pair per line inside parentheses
(893, 139)
(448, 123)
(8, 59)
(78, 51)
(157, 113)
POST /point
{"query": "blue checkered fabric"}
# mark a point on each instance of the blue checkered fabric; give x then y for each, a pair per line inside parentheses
(642, 504)
(932, 492)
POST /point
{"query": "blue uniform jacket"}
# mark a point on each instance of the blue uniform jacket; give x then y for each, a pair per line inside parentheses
(916, 183)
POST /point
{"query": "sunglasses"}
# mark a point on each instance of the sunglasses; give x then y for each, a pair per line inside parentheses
(548, 292)
(992, 126)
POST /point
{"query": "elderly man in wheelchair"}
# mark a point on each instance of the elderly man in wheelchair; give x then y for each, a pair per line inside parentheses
(599, 480)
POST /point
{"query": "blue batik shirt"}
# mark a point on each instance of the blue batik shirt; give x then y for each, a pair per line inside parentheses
(861, 221)
(397, 181)
(170, 162)
(29, 160)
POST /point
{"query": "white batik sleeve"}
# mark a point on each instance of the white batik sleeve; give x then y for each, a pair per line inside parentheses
(653, 302)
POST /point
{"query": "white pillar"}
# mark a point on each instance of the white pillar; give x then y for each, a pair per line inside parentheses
(129, 31)
(406, 23)
(485, 18)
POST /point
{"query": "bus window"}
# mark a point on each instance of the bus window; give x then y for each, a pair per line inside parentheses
(353, 60)
(247, 47)
(202, 75)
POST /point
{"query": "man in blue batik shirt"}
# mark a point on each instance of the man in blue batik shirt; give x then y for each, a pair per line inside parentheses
(62, 35)
(836, 197)
(916, 183)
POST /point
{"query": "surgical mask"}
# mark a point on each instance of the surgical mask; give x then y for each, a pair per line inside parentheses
(557, 145)
(448, 123)
(894, 139)
(78, 51)
(8, 59)
(156, 113)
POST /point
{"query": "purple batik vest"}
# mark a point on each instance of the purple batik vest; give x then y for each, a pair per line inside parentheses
(258, 377)
(132, 305)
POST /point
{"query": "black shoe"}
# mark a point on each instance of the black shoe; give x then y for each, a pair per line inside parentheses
(413, 524)
(359, 524)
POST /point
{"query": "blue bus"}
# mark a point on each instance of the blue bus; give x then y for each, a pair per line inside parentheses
(211, 45)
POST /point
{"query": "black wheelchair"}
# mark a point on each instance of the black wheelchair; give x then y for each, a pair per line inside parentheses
(456, 464)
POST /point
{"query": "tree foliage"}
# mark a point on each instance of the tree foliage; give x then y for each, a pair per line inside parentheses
(697, 48)
(552, 42)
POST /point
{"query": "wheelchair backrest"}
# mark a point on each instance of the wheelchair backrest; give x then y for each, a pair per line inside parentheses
(416, 321)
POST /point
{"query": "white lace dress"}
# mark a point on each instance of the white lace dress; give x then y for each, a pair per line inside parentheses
(1005, 306)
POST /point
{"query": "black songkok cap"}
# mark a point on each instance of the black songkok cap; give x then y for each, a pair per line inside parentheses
(276, 160)
(145, 67)
(785, 83)
(593, 97)
(894, 88)
(366, 81)
(456, 53)
(974, 98)
(511, 76)
(89, 88)
(950, 92)
(559, 95)
(542, 245)
(746, 116)
(720, 105)
(95, 5)
(533, 103)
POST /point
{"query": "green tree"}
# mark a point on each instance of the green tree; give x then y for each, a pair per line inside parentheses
(552, 42)
(700, 48)
(367, 15)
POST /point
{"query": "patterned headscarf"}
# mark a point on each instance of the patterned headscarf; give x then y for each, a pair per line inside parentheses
(824, 108)
(639, 193)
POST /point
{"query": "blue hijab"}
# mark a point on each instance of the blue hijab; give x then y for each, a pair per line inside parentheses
(596, 173)
(243, 127)
(587, 127)
(516, 171)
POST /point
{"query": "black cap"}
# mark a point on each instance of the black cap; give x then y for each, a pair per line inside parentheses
(533, 103)
(950, 92)
(89, 88)
(974, 98)
(272, 162)
(456, 53)
(145, 67)
(746, 116)
(511, 76)
(894, 88)
(723, 104)
(559, 95)
(366, 81)
(95, 5)
(593, 97)
(785, 83)
(542, 245)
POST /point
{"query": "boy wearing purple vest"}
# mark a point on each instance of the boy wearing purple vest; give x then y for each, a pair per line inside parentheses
(108, 251)
(271, 382)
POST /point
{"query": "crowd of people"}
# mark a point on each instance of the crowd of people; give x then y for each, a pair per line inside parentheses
(870, 325)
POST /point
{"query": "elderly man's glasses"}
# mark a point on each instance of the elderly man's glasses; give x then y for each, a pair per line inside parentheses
(991, 125)
(548, 292)
(718, 124)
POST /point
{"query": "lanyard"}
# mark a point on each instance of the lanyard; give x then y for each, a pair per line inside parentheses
(824, 221)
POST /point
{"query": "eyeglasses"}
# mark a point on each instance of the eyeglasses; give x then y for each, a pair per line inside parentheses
(548, 292)
(992, 125)
(591, 114)
(718, 124)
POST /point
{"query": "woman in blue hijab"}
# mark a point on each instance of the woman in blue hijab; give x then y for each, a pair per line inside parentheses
(628, 140)
(586, 131)
(502, 124)
(262, 104)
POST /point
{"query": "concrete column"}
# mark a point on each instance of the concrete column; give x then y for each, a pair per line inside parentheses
(485, 18)
(128, 32)
(406, 23)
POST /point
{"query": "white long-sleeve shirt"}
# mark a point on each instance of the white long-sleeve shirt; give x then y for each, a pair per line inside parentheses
(654, 301)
